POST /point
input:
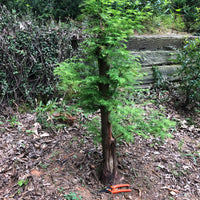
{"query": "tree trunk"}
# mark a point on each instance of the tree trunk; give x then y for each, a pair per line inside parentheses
(109, 173)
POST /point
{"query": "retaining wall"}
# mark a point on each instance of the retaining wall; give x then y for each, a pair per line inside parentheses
(160, 51)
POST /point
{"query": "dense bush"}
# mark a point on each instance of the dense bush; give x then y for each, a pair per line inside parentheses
(64, 9)
(28, 55)
(156, 6)
(189, 72)
(44, 10)
(189, 9)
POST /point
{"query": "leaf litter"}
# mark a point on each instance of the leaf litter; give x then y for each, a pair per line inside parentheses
(49, 164)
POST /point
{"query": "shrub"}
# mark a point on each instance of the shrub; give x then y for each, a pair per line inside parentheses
(28, 55)
(44, 10)
(189, 72)
(157, 6)
(190, 11)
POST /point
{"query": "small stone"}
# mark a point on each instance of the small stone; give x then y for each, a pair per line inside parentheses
(129, 197)
(173, 193)
(161, 166)
(44, 134)
(44, 146)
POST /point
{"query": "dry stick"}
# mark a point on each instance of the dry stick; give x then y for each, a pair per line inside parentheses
(17, 107)
(156, 174)
(70, 155)
(53, 130)
(139, 191)
(170, 189)
(173, 190)
(8, 130)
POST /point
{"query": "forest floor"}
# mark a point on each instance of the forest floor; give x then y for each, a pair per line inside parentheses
(60, 164)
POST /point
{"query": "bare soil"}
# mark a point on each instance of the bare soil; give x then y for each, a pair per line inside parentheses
(64, 164)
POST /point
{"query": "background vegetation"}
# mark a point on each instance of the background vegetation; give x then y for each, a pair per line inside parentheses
(35, 35)
(44, 10)
(189, 72)
(29, 54)
(190, 12)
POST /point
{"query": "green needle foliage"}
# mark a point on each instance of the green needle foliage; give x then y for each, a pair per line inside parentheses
(108, 25)
(106, 74)
(107, 66)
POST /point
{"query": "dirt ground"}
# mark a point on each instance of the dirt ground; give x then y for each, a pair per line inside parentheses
(64, 164)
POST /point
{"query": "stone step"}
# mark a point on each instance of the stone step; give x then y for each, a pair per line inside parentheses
(157, 42)
(169, 73)
(160, 51)
(150, 58)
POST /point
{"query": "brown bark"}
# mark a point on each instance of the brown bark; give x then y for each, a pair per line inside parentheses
(109, 173)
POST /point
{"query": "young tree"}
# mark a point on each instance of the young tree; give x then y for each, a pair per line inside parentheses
(109, 72)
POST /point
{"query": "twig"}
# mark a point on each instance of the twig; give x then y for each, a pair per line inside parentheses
(139, 191)
(156, 174)
(53, 130)
(70, 155)
(170, 189)
(7, 129)
(119, 136)
(17, 107)
(173, 190)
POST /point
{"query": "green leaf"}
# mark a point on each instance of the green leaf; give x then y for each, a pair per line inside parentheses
(22, 182)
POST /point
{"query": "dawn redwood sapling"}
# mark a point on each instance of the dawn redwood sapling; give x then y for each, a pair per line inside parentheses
(101, 78)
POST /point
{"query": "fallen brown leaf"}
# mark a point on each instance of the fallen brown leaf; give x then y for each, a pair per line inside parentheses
(35, 172)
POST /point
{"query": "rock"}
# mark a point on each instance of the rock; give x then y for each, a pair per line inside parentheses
(173, 193)
(44, 134)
